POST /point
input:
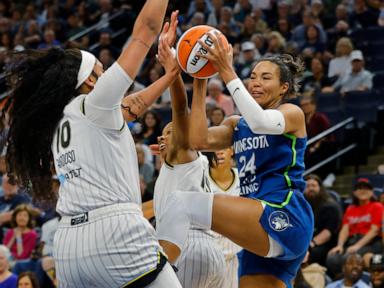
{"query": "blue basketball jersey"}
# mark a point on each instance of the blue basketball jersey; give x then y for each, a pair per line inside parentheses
(269, 165)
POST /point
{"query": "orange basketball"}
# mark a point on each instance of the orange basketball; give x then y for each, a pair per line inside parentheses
(188, 47)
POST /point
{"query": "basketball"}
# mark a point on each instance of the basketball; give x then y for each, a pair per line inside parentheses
(187, 51)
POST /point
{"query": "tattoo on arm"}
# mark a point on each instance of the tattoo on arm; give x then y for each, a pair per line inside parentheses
(142, 42)
(135, 106)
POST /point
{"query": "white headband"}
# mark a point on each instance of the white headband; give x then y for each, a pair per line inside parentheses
(88, 61)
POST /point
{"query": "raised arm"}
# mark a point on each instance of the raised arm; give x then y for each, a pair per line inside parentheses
(287, 118)
(180, 115)
(136, 104)
(145, 30)
(201, 137)
(103, 104)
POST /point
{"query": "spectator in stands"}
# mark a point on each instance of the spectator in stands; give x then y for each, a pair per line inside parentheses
(364, 16)
(299, 32)
(327, 214)
(316, 122)
(215, 14)
(226, 18)
(241, 9)
(358, 79)
(13, 196)
(7, 279)
(21, 239)
(6, 41)
(260, 24)
(48, 266)
(35, 265)
(217, 116)
(197, 19)
(105, 42)
(164, 100)
(361, 229)
(318, 79)
(376, 268)
(215, 94)
(248, 28)
(352, 270)
(151, 128)
(312, 40)
(106, 58)
(146, 169)
(340, 26)
(49, 40)
(27, 280)
(33, 35)
(284, 28)
(276, 44)
(341, 64)
(260, 42)
(203, 6)
(380, 20)
(248, 55)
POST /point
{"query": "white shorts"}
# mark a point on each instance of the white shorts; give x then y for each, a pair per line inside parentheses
(201, 263)
(106, 247)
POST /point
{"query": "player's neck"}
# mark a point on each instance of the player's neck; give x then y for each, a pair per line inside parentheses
(223, 177)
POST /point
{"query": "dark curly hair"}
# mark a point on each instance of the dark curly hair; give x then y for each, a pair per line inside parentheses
(42, 84)
(291, 70)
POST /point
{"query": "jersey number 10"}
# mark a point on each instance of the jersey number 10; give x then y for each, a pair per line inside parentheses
(63, 135)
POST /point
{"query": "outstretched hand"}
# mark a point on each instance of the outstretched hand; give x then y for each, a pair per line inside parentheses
(219, 54)
(167, 57)
(169, 30)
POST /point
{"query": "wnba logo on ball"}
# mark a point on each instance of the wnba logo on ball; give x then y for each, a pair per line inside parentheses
(279, 221)
(200, 49)
(189, 49)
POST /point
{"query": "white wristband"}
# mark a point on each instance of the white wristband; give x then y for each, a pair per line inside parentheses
(269, 121)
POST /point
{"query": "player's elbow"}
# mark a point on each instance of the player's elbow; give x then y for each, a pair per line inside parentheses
(198, 144)
(146, 28)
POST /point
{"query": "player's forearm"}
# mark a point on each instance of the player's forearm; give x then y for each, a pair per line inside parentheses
(180, 113)
(179, 97)
(198, 130)
(268, 121)
(145, 30)
(150, 20)
(136, 104)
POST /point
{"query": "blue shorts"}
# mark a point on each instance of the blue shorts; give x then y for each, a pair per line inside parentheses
(289, 224)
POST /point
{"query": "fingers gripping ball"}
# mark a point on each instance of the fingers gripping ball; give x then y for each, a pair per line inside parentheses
(188, 48)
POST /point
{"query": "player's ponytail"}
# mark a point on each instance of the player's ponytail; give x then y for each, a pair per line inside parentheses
(42, 83)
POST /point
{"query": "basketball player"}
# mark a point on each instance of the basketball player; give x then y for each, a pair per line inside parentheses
(64, 105)
(272, 220)
(199, 261)
(224, 178)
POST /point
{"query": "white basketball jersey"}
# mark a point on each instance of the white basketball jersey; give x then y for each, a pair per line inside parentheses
(229, 248)
(96, 166)
(192, 176)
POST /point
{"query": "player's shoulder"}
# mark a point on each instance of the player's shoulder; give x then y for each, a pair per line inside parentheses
(231, 121)
(292, 108)
(76, 104)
